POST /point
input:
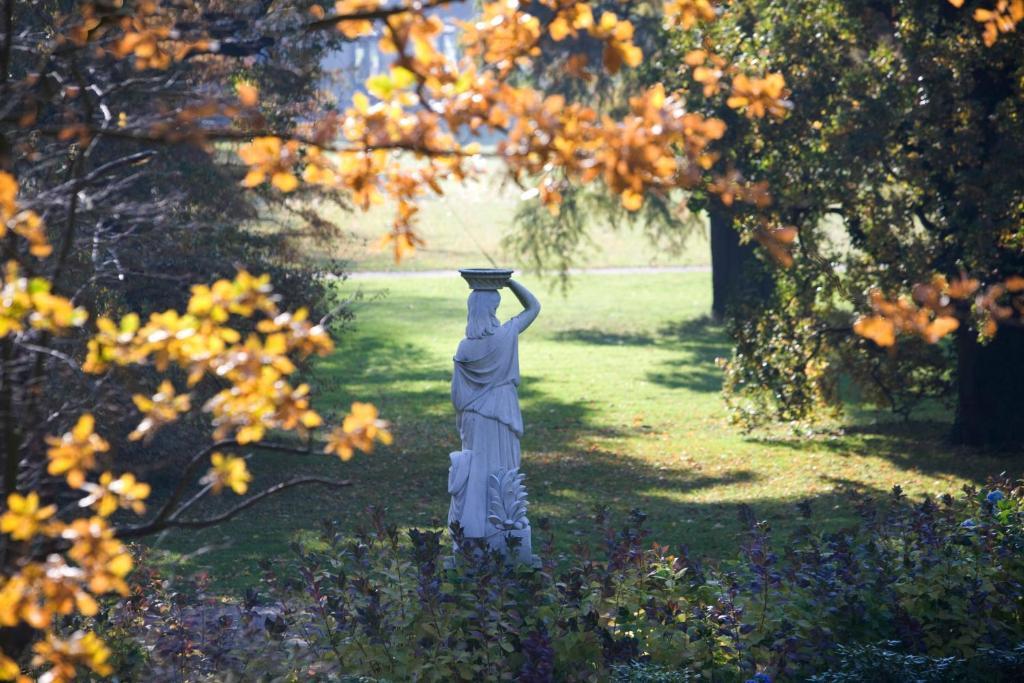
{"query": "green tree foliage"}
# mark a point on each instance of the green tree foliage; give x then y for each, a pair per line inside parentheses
(897, 163)
(907, 128)
(896, 166)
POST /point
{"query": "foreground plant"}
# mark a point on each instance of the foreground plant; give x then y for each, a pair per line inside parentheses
(927, 590)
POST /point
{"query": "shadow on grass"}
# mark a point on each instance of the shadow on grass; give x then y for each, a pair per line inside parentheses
(603, 338)
(698, 342)
(715, 531)
(919, 446)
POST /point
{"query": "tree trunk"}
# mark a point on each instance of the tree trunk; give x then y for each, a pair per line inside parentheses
(990, 403)
(736, 273)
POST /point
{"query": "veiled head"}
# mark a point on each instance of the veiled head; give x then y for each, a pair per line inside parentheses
(482, 319)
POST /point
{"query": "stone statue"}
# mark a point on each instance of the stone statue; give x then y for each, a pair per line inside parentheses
(488, 496)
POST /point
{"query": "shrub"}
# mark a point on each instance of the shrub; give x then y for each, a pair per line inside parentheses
(913, 591)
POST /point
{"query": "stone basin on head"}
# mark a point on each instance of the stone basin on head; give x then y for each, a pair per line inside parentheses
(486, 278)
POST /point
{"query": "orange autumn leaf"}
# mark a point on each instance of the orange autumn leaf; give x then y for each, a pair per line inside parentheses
(876, 328)
(273, 158)
(1003, 18)
(962, 287)
(29, 225)
(778, 241)
(695, 57)
(360, 429)
(403, 241)
(248, 94)
(356, 27)
(939, 328)
(8, 194)
(685, 14)
(758, 97)
(1014, 283)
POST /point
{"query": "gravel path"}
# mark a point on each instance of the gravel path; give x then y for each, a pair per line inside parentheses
(634, 270)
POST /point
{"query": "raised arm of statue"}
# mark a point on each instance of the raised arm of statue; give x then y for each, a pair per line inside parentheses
(531, 307)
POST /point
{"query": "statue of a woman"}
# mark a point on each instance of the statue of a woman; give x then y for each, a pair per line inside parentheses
(488, 498)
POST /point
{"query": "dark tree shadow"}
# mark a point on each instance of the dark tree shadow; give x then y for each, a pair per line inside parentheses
(716, 531)
(915, 445)
(698, 343)
(603, 338)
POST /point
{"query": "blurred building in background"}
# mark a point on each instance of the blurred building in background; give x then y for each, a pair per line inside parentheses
(348, 68)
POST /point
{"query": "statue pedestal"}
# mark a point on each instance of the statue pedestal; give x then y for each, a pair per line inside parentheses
(503, 503)
(523, 552)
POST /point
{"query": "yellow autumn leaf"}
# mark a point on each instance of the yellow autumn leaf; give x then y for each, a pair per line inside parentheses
(631, 200)
(75, 452)
(286, 182)
(559, 28)
(230, 471)
(24, 517)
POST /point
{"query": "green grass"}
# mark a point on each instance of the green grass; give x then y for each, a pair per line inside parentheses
(621, 401)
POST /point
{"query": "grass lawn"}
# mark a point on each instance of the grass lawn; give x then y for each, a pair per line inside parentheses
(621, 402)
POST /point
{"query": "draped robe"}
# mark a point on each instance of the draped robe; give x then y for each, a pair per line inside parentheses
(485, 395)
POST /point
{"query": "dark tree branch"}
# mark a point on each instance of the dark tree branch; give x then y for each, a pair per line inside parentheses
(54, 353)
(200, 135)
(173, 522)
(5, 53)
(12, 440)
(925, 221)
(374, 15)
(168, 510)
